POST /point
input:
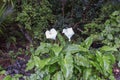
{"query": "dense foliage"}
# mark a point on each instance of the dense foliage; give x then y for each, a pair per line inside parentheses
(90, 55)
(72, 61)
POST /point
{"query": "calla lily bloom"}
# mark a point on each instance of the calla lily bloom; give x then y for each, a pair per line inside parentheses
(51, 34)
(68, 32)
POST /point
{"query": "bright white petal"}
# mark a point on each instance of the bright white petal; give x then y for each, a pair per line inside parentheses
(64, 30)
(51, 34)
(47, 34)
(68, 32)
(54, 33)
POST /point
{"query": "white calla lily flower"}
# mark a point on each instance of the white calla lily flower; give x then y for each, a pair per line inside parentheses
(51, 34)
(68, 32)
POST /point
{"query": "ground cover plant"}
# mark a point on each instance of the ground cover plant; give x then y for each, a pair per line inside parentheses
(59, 40)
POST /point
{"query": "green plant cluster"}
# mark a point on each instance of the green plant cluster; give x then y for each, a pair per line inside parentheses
(107, 33)
(35, 17)
(65, 61)
(111, 31)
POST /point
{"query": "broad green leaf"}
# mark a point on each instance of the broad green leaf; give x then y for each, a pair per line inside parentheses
(86, 74)
(58, 76)
(17, 76)
(111, 58)
(88, 42)
(61, 39)
(78, 68)
(118, 20)
(104, 61)
(8, 78)
(112, 77)
(108, 60)
(30, 65)
(98, 54)
(95, 77)
(57, 49)
(99, 58)
(53, 60)
(83, 49)
(43, 48)
(44, 62)
(115, 13)
(36, 61)
(72, 48)
(53, 68)
(2, 71)
(96, 65)
(107, 22)
(110, 36)
(40, 63)
(47, 77)
(67, 66)
(107, 48)
(106, 66)
(81, 60)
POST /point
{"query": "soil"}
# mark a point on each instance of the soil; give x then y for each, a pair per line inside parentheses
(116, 71)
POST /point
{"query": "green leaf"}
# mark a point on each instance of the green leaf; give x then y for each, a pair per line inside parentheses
(67, 66)
(111, 58)
(8, 78)
(16, 76)
(81, 60)
(61, 39)
(2, 71)
(107, 22)
(36, 61)
(47, 77)
(96, 65)
(106, 63)
(40, 63)
(53, 68)
(99, 58)
(78, 68)
(107, 48)
(30, 65)
(57, 49)
(72, 48)
(86, 74)
(118, 20)
(58, 76)
(44, 62)
(88, 42)
(115, 13)
(112, 77)
(53, 60)
(110, 36)
(43, 48)
(83, 49)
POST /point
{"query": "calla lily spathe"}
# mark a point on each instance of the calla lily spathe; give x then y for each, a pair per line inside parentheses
(68, 32)
(51, 34)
